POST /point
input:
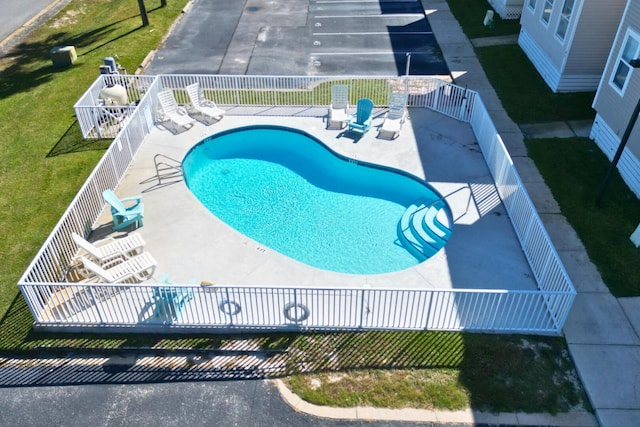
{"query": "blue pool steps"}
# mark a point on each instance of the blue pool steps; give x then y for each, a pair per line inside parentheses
(425, 227)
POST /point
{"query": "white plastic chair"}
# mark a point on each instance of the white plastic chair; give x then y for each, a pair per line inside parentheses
(138, 269)
(106, 250)
(201, 105)
(339, 109)
(171, 111)
(395, 117)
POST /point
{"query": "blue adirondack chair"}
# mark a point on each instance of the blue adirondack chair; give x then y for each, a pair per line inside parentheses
(124, 215)
(169, 301)
(360, 122)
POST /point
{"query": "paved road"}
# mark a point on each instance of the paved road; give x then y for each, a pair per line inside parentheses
(99, 392)
(301, 37)
(14, 14)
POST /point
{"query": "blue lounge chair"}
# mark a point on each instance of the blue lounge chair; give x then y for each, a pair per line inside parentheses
(123, 215)
(360, 122)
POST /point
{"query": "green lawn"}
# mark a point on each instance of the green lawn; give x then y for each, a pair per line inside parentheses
(436, 370)
(524, 94)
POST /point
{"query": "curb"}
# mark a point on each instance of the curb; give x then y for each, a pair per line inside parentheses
(464, 417)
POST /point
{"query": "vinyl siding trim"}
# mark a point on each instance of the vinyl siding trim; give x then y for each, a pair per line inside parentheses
(628, 165)
(539, 59)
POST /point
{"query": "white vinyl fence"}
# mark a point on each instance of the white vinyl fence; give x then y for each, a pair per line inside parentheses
(274, 94)
(59, 303)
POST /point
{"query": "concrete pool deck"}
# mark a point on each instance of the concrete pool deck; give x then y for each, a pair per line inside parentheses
(190, 243)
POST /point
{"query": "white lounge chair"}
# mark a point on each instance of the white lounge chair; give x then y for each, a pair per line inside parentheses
(137, 269)
(202, 106)
(106, 250)
(395, 117)
(170, 111)
(339, 109)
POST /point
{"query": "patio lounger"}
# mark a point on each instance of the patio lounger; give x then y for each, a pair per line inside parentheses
(137, 269)
(124, 215)
(339, 109)
(106, 250)
(395, 117)
(202, 106)
(172, 112)
(360, 122)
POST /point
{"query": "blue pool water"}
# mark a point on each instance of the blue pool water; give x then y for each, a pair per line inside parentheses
(288, 191)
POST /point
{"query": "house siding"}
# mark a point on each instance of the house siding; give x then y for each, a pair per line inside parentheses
(543, 36)
(576, 63)
(539, 59)
(593, 37)
(613, 108)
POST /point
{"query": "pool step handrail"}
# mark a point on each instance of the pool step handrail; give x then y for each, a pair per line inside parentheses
(167, 168)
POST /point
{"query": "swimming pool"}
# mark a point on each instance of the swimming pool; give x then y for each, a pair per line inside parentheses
(287, 190)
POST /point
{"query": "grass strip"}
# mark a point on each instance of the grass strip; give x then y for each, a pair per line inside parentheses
(574, 169)
(437, 370)
(524, 94)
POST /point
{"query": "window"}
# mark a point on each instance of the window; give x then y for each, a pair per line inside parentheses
(546, 12)
(532, 5)
(565, 18)
(623, 68)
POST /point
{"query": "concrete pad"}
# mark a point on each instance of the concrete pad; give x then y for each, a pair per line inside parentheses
(619, 417)
(455, 417)
(431, 146)
(610, 374)
(406, 414)
(527, 170)
(598, 318)
(631, 307)
(542, 198)
(495, 41)
(581, 128)
(547, 130)
(584, 275)
(562, 234)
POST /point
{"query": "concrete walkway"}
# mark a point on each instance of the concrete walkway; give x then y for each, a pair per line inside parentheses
(602, 331)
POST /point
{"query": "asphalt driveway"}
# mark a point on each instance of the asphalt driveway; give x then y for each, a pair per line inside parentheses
(301, 37)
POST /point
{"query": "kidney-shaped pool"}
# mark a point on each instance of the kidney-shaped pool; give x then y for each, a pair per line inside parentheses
(287, 190)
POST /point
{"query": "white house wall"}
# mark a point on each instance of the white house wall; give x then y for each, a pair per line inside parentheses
(576, 63)
(538, 57)
(614, 108)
